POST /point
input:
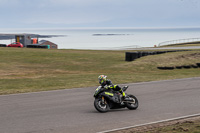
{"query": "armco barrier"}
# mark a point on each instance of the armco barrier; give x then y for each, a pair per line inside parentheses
(3, 45)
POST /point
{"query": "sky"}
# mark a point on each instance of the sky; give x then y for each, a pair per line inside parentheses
(99, 13)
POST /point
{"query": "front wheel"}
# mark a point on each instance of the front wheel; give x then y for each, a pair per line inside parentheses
(101, 104)
(132, 105)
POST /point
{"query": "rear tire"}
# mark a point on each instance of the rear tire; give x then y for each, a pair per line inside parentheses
(134, 105)
(101, 107)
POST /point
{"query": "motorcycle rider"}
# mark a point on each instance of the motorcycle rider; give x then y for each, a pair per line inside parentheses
(107, 84)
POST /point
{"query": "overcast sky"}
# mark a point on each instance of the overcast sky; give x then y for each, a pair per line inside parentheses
(99, 13)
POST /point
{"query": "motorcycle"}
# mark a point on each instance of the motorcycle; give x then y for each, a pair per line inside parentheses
(110, 99)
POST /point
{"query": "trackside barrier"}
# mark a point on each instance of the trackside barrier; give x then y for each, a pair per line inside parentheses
(38, 46)
(197, 65)
(3, 45)
(131, 56)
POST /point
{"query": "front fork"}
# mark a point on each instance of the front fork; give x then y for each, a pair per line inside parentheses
(103, 100)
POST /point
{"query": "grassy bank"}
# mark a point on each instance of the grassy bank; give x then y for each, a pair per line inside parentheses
(179, 127)
(31, 70)
(187, 125)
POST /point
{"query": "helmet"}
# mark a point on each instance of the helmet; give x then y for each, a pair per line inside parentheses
(102, 79)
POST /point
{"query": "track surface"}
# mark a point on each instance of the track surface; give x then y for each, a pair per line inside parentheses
(72, 110)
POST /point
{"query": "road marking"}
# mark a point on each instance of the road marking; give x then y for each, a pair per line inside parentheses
(150, 123)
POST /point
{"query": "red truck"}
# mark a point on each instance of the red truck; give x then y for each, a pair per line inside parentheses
(15, 44)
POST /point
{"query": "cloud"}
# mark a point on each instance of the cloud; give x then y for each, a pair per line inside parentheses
(99, 12)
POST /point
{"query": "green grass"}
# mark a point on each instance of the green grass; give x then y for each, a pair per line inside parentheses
(31, 70)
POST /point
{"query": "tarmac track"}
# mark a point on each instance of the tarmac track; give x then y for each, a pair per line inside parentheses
(72, 111)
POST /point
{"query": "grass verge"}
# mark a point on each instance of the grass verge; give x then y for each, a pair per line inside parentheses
(187, 125)
(31, 70)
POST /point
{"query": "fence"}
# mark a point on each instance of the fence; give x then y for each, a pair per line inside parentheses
(180, 41)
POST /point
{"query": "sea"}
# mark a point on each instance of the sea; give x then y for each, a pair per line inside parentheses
(108, 38)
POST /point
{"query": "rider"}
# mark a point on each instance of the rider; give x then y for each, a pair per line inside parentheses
(107, 84)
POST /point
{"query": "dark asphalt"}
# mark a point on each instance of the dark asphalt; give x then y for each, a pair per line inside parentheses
(72, 111)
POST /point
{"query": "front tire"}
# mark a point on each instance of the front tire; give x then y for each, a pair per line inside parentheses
(101, 107)
(132, 105)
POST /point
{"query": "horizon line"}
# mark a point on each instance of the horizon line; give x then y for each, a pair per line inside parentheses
(85, 28)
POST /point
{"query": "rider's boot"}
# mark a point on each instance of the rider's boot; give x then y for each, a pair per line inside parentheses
(125, 97)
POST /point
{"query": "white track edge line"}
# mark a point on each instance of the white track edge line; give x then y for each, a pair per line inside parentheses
(150, 123)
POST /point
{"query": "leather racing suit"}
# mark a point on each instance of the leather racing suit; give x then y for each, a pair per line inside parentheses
(109, 85)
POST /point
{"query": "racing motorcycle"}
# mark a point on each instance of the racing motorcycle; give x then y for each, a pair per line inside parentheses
(106, 99)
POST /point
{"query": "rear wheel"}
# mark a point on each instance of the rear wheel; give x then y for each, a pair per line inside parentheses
(132, 105)
(101, 104)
